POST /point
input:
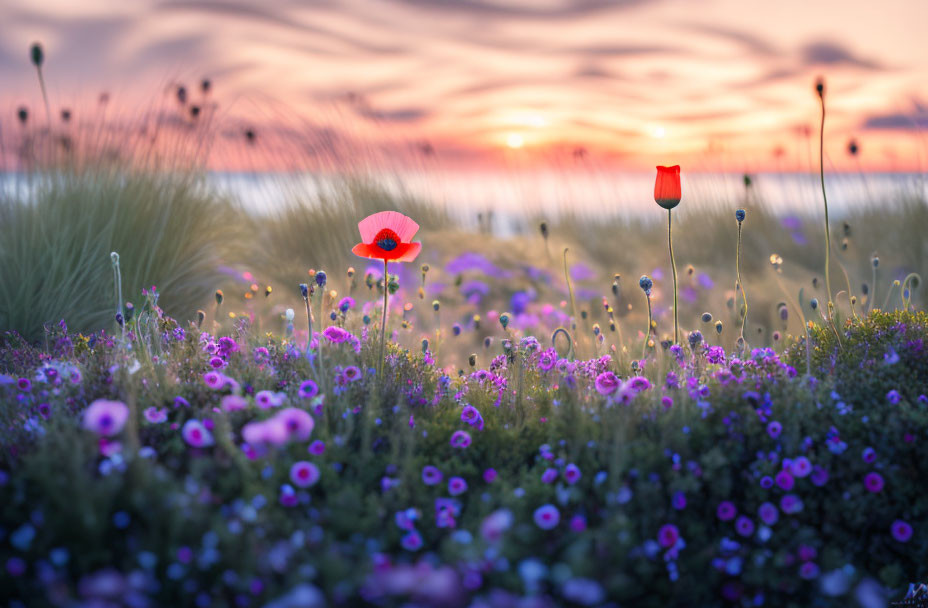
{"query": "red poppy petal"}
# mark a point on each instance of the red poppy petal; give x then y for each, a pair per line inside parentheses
(412, 250)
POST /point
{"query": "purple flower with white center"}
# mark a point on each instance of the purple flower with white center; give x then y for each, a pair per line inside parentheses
(726, 510)
(607, 383)
(460, 439)
(308, 389)
(549, 476)
(155, 415)
(457, 486)
(547, 516)
(298, 423)
(335, 334)
(901, 531)
(572, 473)
(768, 513)
(744, 526)
(873, 482)
(431, 475)
(196, 434)
(105, 417)
(214, 380)
(668, 536)
(304, 474)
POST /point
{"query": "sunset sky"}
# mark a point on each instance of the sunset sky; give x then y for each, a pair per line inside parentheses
(711, 83)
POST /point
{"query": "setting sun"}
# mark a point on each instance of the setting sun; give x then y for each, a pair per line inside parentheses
(515, 141)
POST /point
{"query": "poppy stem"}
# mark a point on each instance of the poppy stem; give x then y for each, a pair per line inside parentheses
(673, 267)
(383, 320)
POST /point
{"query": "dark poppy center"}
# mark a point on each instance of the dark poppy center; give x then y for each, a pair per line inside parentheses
(387, 240)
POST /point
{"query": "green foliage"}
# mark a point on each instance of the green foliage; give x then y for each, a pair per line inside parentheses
(221, 506)
(55, 246)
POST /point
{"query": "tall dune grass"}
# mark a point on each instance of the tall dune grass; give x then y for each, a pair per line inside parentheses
(319, 232)
(56, 237)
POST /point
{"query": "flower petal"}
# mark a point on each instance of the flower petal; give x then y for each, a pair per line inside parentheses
(403, 226)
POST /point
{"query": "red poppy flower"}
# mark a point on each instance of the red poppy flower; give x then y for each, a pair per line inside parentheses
(387, 236)
(667, 192)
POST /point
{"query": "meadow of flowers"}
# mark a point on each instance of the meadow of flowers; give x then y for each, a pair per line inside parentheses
(211, 462)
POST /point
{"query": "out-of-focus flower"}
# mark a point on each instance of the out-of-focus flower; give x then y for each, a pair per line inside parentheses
(105, 417)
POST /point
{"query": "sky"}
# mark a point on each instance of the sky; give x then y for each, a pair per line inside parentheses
(712, 84)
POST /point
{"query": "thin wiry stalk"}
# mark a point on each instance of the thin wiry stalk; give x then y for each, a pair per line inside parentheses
(740, 285)
(570, 290)
(821, 169)
(647, 337)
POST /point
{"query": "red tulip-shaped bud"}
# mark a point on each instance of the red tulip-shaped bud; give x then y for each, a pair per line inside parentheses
(667, 191)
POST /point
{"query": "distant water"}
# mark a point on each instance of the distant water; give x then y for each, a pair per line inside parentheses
(512, 196)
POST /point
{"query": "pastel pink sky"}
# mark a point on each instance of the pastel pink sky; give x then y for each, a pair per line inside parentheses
(705, 83)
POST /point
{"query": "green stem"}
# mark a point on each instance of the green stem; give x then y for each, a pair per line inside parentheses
(673, 267)
(872, 289)
(383, 320)
(740, 285)
(570, 291)
(647, 337)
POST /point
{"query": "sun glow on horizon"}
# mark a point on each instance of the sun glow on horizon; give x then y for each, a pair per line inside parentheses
(515, 141)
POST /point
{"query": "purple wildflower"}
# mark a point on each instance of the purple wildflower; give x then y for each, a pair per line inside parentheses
(105, 417)
(335, 335)
(457, 486)
(547, 516)
(726, 510)
(431, 475)
(607, 383)
(668, 535)
(308, 389)
(304, 474)
(901, 531)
